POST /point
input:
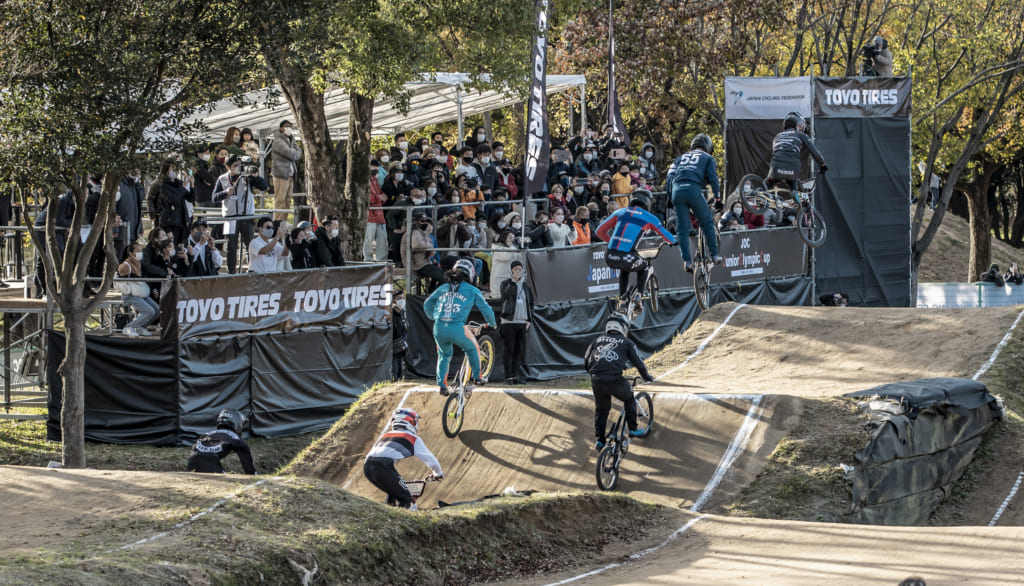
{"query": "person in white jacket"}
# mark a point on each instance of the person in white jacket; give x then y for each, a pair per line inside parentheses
(562, 235)
(234, 192)
(503, 252)
(398, 444)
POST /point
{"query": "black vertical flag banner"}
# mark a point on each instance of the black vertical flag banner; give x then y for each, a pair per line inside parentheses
(538, 144)
(614, 113)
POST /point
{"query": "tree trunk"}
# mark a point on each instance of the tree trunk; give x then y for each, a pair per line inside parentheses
(72, 375)
(307, 105)
(357, 181)
(981, 228)
(518, 143)
(1018, 218)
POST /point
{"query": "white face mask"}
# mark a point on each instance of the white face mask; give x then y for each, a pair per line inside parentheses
(138, 255)
(385, 159)
(431, 191)
(236, 139)
(172, 175)
(399, 176)
(204, 158)
(403, 145)
(288, 131)
(268, 233)
(499, 155)
(737, 210)
(418, 201)
(501, 225)
(517, 225)
(481, 138)
(648, 154)
(333, 233)
(400, 304)
(587, 157)
(455, 199)
(485, 160)
(578, 189)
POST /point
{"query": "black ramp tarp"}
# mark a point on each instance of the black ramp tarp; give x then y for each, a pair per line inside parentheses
(865, 199)
(748, 149)
(131, 393)
(214, 375)
(303, 381)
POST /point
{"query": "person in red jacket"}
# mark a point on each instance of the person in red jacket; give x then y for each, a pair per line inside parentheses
(376, 239)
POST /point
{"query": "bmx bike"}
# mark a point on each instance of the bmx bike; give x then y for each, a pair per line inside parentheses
(756, 198)
(617, 439)
(703, 262)
(455, 406)
(415, 488)
(632, 303)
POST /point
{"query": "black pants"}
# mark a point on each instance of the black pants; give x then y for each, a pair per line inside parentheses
(382, 474)
(397, 366)
(243, 228)
(603, 393)
(434, 273)
(628, 262)
(514, 338)
(209, 463)
(395, 247)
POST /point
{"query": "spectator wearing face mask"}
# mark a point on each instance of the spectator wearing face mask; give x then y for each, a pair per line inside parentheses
(417, 247)
(135, 293)
(503, 252)
(267, 247)
(650, 170)
(498, 206)
(559, 171)
(622, 185)
(486, 170)
(300, 243)
(176, 199)
(466, 191)
(204, 258)
(382, 156)
(586, 162)
(205, 177)
(506, 180)
(576, 195)
(562, 234)
(399, 336)
(557, 199)
(234, 191)
(129, 207)
(395, 186)
(284, 165)
(516, 316)
(476, 138)
(578, 143)
(735, 213)
(583, 229)
(233, 141)
(401, 148)
(375, 241)
(327, 245)
(537, 231)
(465, 163)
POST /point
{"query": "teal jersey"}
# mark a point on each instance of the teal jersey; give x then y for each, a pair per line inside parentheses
(449, 304)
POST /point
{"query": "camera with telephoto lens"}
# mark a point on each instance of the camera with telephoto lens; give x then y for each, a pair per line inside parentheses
(869, 52)
(471, 182)
(249, 165)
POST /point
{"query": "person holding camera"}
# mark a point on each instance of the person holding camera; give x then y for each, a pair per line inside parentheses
(877, 58)
(234, 191)
(268, 246)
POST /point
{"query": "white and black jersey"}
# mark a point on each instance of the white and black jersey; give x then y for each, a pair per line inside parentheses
(609, 355)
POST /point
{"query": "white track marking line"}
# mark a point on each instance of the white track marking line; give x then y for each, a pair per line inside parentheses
(739, 444)
(984, 368)
(999, 348)
(190, 519)
(703, 344)
(1006, 502)
(578, 393)
(636, 555)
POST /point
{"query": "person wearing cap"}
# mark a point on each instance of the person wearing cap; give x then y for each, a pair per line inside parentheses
(300, 242)
(284, 165)
(516, 316)
(375, 240)
(205, 258)
(417, 247)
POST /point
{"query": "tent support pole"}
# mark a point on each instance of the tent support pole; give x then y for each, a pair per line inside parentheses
(583, 106)
(458, 100)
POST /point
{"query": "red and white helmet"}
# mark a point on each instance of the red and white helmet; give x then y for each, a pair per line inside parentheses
(467, 269)
(404, 419)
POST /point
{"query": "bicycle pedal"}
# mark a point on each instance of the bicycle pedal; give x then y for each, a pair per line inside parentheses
(467, 393)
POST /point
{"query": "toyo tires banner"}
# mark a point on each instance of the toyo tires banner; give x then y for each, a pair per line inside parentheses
(581, 272)
(286, 301)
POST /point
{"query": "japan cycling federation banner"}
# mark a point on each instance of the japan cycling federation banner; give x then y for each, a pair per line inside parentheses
(766, 98)
(281, 302)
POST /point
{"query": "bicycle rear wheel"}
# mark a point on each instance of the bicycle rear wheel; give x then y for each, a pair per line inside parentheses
(608, 468)
(811, 226)
(701, 272)
(752, 194)
(486, 344)
(644, 413)
(452, 416)
(652, 290)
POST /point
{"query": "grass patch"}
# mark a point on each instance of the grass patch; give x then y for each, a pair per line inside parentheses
(266, 534)
(803, 480)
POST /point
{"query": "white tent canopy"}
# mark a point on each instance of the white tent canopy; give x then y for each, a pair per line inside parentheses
(441, 97)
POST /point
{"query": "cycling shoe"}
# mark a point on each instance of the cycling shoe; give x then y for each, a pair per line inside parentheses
(443, 390)
(718, 260)
(636, 433)
(599, 445)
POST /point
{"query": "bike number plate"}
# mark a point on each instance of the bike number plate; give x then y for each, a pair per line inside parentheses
(415, 487)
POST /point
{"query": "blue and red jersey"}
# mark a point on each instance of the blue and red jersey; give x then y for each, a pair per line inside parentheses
(626, 225)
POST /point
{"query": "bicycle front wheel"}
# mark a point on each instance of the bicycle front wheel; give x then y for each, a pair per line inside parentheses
(811, 226)
(752, 194)
(644, 413)
(652, 290)
(486, 344)
(451, 417)
(608, 468)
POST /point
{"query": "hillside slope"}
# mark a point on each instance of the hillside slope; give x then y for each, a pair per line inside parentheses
(946, 260)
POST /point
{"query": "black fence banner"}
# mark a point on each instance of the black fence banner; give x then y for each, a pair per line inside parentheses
(538, 143)
(862, 97)
(284, 301)
(581, 272)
